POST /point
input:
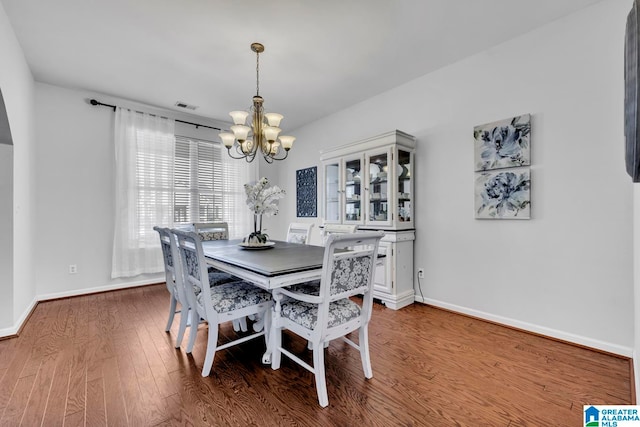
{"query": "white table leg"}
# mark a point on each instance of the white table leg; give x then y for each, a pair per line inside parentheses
(270, 331)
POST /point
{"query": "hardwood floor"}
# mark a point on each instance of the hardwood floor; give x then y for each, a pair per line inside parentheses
(104, 359)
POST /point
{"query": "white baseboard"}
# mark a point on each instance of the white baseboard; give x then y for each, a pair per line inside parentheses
(86, 291)
(7, 332)
(530, 327)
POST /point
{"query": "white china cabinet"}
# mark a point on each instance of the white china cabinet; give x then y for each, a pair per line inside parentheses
(370, 183)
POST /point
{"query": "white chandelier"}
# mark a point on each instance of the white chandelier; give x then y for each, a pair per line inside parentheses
(263, 132)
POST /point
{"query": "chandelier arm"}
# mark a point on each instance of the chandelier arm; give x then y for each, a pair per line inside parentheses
(286, 154)
(232, 156)
(248, 157)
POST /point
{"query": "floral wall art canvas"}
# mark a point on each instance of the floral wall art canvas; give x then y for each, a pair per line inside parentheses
(503, 144)
(503, 194)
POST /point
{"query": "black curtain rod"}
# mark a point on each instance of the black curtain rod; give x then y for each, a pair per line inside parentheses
(197, 125)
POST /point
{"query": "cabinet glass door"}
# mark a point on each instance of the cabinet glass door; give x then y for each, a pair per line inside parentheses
(353, 190)
(332, 192)
(378, 188)
(404, 187)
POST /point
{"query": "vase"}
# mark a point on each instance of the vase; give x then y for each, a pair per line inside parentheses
(257, 238)
(257, 223)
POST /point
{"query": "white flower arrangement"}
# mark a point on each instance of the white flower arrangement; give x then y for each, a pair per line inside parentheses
(261, 199)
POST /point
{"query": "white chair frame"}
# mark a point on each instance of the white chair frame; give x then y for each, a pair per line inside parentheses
(332, 293)
(221, 232)
(195, 276)
(329, 229)
(222, 227)
(297, 229)
(173, 278)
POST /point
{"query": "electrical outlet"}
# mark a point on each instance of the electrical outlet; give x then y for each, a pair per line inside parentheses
(73, 269)
(421, 273)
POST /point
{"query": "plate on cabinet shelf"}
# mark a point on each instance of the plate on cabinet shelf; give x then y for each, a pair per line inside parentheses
(403, 171)
(374, 170)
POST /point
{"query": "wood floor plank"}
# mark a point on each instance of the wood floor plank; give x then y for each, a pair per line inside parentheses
(157, 367)
(178, 415)
(37, 403)
(6, 352)
(12, 375)
(76, 393)
(136, 411)
(96, 412)
(116, 410)
(56, 403)
(77, 419)
(105, 359)
(17, 404)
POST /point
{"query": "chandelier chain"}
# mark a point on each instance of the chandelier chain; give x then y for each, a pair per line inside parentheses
(257, 73)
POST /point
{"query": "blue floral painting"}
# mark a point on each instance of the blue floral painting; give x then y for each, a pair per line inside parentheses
(503, 144)
(503, 194)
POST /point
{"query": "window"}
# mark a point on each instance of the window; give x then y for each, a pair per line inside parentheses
(163, 179)
(197, 182)
(208, 187)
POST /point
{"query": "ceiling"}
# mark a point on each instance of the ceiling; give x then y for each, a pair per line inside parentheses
(320, 56)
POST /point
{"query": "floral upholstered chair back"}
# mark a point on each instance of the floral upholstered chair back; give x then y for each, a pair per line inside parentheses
(169, 268)
(194, 272)
(349, 265)
(212, 230)
(299, 232)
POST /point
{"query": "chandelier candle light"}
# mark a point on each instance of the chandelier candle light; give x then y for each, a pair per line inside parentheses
(264, 128)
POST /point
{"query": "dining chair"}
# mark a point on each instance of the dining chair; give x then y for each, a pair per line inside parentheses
(299, 232)
(173, 279)
(329, 229)
(312, 287)
(217, 304)
(219, 231)
(331, 314)
(212, 230)
(170, 276)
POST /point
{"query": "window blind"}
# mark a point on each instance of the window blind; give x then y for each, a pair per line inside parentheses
(207, 187)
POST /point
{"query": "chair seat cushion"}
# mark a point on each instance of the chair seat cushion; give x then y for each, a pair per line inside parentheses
(306, 314)
(217, 277)
(235, 295)
(308, 288)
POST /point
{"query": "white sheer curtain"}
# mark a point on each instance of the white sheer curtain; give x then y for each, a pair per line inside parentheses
(236, 173)
(145, 154)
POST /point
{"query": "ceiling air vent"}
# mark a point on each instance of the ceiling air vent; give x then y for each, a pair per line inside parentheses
(185, 105)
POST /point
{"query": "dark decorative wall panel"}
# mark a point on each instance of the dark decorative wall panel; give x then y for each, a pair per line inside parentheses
(307, 192)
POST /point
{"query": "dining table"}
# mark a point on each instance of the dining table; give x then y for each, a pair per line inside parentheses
(272, 266)
(275, 265)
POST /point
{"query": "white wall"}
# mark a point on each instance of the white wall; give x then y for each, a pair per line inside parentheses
(6, 231)
(567, 272)
(75, 179)
(16, 83)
